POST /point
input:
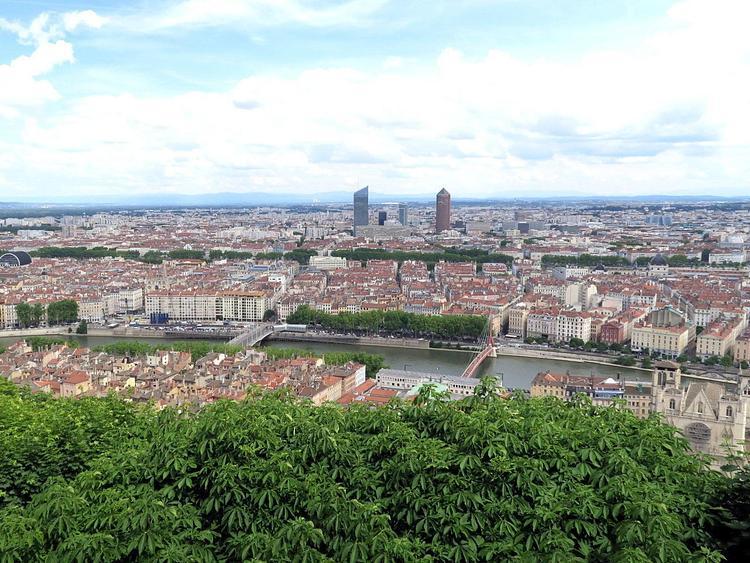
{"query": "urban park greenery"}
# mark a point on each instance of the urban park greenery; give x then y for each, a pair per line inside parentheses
(43, 342)
(273, 478)
(197, 348)
(200, 348)
(30, 315)
(394, 322)
(584, 260)
(372, 362)
(61, 312)
(447, 255)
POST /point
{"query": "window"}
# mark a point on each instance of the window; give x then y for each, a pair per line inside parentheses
(730, 411)
(671, 404)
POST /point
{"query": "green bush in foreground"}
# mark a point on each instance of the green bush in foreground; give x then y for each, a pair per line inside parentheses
(274, 479)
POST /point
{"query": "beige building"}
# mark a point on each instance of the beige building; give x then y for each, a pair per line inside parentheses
(670, 341)
(8, 317)
(183, 305)
(517, 317)
(572, 324)
(245, 306)
(602, 391)
(327, 262)
(91, 310)
(711, 418)
(742, 348)
(541, 323)
(719, 337)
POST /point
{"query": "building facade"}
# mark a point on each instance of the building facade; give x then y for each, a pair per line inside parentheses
(670, 341)
(403, 213)
(442, 211)
(712, 419)
(361, 208)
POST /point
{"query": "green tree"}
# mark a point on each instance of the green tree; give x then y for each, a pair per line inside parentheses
(276, 479)
(727, 361)
(83, 327)
(23, 314)
(61, 312)
(269, 315)
(394, 322)
(625, 360)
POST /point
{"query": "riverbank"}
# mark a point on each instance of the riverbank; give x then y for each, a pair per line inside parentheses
(559, 355)
(338, 339)
(516, 372)
(349, 340)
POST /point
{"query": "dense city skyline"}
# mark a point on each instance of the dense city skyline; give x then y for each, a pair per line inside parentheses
(536, 98)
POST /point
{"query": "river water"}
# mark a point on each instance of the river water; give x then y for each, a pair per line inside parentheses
(516, 372)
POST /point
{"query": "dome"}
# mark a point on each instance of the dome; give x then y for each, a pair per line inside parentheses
(658, 260)
(15, 258)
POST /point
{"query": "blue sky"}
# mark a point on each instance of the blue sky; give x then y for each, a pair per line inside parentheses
(496, 98)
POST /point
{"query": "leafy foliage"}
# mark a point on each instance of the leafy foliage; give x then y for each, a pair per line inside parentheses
(373, 362)
(41, 342)
(217, 254)
(274, 479)
(301, 255)
(30, 315)
(182, 254)
(453, 326)
(449, 255)
(584, 260)
(65, 311)
(197, 348)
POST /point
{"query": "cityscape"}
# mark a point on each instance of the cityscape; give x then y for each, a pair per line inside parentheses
(359, 281)
(610, 292)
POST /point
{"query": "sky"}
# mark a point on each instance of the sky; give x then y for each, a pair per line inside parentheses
(489, 98)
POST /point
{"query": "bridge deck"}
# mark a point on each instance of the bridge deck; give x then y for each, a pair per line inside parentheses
(476, 362)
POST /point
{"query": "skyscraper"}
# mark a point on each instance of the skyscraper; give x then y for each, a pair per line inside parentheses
(382, 217)
(403, 213)
(442, 211)
(361, 213)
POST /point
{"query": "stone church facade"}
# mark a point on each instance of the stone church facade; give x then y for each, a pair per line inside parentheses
(711, 418)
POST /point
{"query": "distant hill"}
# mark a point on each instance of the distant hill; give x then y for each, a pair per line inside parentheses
(240, 199)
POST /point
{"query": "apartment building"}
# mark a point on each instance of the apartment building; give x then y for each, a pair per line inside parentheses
(670, 341)
(541, 322)
(719, 337)
(517, 318)
(602, 391)
(245, 305)
(407, 380)
(183, 305)
(742, 347)
(572, 324)
(327, 262)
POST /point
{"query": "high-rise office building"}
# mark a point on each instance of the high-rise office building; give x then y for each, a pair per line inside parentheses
(442, 211)
(382, 216)
(361, 211)
(403, 213)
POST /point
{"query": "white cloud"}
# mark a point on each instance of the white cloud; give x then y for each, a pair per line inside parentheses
(86, 18)
(49, 26)
(20, 83)
(671, 115)
(252, 13)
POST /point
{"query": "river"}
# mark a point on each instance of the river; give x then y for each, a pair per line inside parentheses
(517, 372)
